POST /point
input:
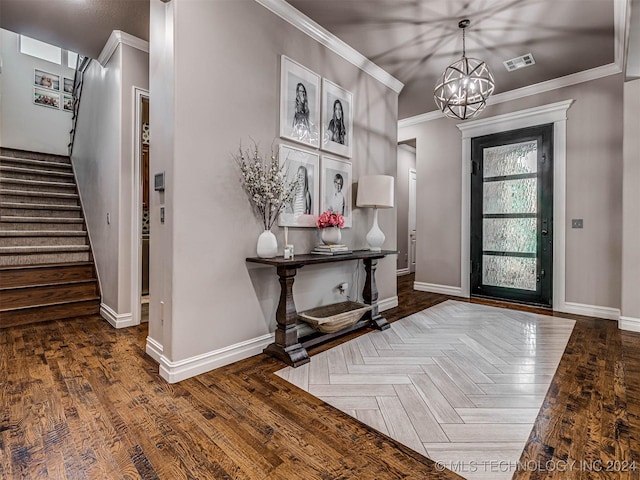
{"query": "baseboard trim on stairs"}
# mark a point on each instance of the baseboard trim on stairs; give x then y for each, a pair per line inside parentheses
(116, 320)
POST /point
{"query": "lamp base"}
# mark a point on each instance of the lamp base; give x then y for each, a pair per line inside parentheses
(375, 237)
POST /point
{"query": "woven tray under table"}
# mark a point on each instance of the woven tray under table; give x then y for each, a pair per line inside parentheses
(334, 317)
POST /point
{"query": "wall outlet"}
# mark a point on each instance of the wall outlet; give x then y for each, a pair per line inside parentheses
(342, 288)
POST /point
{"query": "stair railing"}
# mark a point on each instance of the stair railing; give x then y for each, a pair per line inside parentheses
(82, 63)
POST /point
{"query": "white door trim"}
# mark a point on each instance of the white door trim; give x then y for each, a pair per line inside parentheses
(555, 113)
(411, 255)
(136, 217)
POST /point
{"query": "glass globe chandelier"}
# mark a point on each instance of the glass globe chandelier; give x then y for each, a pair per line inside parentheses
(464, 87)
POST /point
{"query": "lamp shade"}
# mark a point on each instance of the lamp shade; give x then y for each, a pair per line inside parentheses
(375, 191)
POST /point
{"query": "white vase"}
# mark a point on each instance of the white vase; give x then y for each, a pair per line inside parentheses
(267, 245)
(331, 235)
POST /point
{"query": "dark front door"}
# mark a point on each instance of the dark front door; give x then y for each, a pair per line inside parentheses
(512, 215)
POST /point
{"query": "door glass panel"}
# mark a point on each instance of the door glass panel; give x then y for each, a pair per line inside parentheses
(511, 196)
(511, 272)
(514, 159)
(510, 235)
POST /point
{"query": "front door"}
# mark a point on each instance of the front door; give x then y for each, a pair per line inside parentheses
(512, 215)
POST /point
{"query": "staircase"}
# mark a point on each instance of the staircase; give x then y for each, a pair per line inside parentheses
(46, 266)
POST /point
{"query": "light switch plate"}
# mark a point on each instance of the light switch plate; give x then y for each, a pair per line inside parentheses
(576, 223)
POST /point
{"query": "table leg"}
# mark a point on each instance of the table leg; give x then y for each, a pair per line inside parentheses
(370, 295)
(286, 346)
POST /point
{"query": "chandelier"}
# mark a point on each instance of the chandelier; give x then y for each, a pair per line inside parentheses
(464, 87)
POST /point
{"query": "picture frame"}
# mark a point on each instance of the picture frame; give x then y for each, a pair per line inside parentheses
(299, 103)
(44, 79)
(337, 119)
(46, 98)
(67, 85)
(303, 209)
(335, 187)
(67, 103)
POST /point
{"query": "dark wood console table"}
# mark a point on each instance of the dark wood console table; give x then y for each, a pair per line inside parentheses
(287, 346)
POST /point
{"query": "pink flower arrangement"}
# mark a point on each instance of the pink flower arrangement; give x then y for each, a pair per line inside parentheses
(330, 219)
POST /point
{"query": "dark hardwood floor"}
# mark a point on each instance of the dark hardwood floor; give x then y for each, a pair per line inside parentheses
(81, 400)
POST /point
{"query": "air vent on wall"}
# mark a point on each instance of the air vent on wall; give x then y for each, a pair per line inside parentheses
(519, 62)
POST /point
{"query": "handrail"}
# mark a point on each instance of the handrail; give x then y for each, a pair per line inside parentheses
(82, 63)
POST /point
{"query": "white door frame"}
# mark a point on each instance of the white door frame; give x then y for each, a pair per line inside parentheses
(136, 217)
(555, 113)
(411, 255)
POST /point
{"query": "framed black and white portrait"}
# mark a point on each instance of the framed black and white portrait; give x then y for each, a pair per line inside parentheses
(302, 210)
(337, 119)
(335, 187)
(299, 103)
(44, 79)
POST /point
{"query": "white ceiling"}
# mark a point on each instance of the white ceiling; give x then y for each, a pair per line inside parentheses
(414, 40)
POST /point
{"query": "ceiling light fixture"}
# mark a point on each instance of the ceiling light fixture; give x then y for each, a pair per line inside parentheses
(464, 87)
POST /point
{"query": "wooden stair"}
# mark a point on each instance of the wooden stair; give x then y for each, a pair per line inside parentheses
(46, 266)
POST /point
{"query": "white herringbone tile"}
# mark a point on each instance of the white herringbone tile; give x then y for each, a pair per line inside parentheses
(458, 382)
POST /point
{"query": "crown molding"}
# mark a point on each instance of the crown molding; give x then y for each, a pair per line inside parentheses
(560, 82)
(116, 38)
(303, 23)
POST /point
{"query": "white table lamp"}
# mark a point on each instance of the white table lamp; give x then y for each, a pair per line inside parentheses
(375, 191)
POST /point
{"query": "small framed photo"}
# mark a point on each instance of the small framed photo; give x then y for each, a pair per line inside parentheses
(299, 103)
(46, 80)
(46, 98)
(337, 119)
(67, 85)
(335, 187)
(302, 210)
(67, 103)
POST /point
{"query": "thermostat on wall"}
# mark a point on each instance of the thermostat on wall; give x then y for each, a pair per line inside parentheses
(159, 182)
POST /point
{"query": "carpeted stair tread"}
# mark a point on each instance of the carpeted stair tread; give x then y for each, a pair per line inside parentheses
(15, 219)
(39, 206)
(46, 266)
(22, 193)
(20, 250)
(43, 233)
(34, 171)
(35, 163)
(36, 183)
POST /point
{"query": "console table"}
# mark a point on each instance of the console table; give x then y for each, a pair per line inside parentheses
(287, 346)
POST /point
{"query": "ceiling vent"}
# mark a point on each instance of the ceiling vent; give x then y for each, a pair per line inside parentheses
(519, 62)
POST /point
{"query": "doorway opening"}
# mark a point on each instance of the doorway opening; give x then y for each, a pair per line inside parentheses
(406, 202)
(512, 216)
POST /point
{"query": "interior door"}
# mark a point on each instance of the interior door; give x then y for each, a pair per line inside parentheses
(512, 215)
(412, 221)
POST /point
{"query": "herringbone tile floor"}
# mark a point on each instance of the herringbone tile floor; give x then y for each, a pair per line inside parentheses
(460, 383)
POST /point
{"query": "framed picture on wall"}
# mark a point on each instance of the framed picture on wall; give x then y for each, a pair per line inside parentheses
(302, 211)
(337, 119)
(335, 187)
(67, 103)
(46, 80)
(299, 103)
(46, 98)
(67, 85)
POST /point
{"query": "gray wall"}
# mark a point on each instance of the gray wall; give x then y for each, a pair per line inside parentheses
(25, 125)
(103, 161)
(219, 99)
(631, 202)
(406, 161)
(594, 191)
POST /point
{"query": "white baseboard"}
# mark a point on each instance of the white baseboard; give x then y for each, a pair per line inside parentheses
(117, 320)
(403, 271)
(434, 288)
(629, 323)
(174, 372)
(589, 310)
(387, 303)
(154, 349)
